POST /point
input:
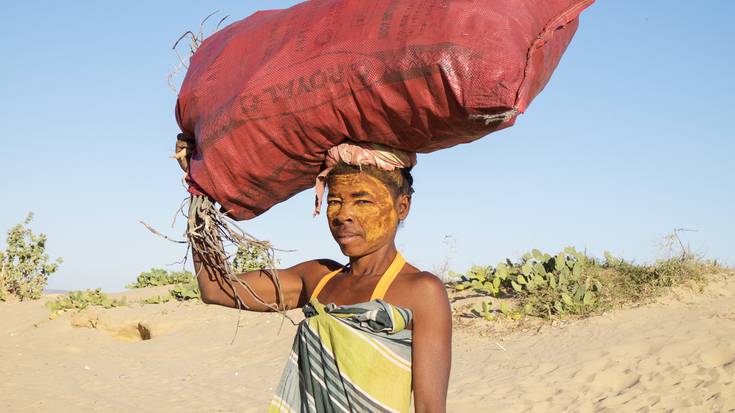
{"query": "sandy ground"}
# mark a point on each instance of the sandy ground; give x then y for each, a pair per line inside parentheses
(677, 354)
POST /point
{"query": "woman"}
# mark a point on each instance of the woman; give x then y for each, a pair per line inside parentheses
(385, 330)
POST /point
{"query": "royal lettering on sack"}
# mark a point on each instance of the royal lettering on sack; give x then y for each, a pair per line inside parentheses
(324, 84)
(250, 103)
(303, 85)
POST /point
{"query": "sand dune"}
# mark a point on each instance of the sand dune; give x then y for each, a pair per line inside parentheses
(677, 354)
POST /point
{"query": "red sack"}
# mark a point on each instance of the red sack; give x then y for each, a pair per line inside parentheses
(267, 96)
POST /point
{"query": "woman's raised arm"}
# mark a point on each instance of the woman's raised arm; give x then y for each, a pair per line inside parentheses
(296, 283)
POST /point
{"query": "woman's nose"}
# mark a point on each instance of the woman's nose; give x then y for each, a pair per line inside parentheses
(344, 214)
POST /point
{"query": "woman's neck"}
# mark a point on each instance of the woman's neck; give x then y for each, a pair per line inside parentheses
(375, 263)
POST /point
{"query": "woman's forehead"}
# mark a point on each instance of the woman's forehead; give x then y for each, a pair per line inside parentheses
(357, 184)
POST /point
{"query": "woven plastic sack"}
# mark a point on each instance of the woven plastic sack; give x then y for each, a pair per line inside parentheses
(267, 96)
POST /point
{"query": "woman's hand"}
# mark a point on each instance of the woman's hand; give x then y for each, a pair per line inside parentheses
(184, 148)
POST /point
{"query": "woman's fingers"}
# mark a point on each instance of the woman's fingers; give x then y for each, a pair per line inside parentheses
(182, 152)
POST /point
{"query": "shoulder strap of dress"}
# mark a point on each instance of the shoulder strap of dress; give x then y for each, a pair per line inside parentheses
(323, 282)
(390, 274)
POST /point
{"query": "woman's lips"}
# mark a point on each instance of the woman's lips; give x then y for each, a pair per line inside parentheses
(346, 238)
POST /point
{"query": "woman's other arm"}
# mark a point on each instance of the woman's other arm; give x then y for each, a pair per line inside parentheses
(432, 345)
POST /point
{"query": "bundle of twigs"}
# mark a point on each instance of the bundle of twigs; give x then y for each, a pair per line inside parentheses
(207, 228)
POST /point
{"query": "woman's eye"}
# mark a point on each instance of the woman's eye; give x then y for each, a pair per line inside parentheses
(332, 202)
(363, 202)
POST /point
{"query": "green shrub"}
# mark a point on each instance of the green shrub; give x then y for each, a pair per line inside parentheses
(187, 291)
(79, 300)
(251, 258)
(24, 265)
(156, 277)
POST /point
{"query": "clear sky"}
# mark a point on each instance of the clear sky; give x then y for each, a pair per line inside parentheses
(631, 139)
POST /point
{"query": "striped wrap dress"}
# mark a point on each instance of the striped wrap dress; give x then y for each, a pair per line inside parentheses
(350, 358)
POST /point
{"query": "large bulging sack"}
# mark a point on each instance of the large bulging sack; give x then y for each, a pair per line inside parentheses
(267, 96)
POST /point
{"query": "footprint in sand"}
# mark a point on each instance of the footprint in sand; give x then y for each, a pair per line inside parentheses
(680, 349)
(590, 369)
(720, 356)
(615, 380)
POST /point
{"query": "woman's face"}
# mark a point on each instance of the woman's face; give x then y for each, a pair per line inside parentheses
(362, 213)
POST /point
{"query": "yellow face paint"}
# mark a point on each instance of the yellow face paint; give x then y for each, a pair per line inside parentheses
(361, 212)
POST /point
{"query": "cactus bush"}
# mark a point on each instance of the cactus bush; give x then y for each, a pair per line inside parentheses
(544, 285)
(571, 283)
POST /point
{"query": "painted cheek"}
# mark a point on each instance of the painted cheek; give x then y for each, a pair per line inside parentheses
(381, 218)
(379, 227)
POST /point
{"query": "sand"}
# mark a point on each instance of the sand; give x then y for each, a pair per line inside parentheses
(676, 354)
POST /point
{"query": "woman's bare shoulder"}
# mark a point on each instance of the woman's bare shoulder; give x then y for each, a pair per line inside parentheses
(420, 288)
(424, 281)
(314, 270)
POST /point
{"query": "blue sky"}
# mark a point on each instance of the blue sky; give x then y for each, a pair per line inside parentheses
(631, 139)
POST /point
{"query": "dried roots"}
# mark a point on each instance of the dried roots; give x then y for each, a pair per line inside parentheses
(207, 229)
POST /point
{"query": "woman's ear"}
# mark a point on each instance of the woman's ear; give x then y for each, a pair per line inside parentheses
(404, 206)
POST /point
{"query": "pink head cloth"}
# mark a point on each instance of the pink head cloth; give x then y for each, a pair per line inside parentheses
(382, 157)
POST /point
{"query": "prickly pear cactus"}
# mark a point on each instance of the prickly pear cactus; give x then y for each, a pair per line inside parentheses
(545, 285)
